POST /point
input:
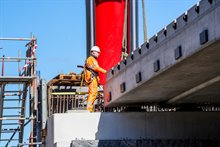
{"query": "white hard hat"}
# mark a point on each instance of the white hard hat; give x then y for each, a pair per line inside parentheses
(95, 48)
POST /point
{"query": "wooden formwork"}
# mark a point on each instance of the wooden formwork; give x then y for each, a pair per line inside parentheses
(66, 93)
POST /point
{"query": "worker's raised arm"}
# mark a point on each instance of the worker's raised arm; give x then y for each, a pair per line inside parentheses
(99, 69)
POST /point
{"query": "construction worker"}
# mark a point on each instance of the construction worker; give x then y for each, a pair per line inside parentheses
(91, 76)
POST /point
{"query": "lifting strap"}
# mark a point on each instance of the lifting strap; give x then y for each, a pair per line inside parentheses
(124, 39)
(144, 22)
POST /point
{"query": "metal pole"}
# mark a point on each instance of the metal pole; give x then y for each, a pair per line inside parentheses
(13, 94)
(30, 144)
(17, 118)
(2, 89)
(134, 24)
(8, 140)
(3, 63)
(14, 59)
(24, 96)
(11, 138)
(17, 39)
(34, 110)
(44, 103)
(17, 58)
(144, 22)
(90, 25)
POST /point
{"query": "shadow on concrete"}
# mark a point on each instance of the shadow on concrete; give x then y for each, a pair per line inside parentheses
(109, 132)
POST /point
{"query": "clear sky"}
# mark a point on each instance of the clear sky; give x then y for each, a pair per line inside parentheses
(59, 26)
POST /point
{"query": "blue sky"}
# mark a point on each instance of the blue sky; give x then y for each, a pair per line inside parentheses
(59, 26)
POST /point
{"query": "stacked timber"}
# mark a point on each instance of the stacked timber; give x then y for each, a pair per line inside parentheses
(71, 79)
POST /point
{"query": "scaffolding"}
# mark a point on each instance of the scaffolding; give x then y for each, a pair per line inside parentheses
(16, 94)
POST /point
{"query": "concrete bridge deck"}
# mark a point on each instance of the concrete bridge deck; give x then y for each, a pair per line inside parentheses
(180, 64)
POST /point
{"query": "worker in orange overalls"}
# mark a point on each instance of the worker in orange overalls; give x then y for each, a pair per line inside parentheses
(91, 76)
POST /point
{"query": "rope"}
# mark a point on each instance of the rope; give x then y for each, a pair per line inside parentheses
(144, 22)
(124, 39)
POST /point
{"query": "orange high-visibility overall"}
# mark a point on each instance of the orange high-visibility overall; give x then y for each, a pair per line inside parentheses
(92, 69)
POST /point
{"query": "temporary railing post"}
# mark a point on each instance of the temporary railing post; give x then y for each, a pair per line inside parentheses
(33, 89)
(3, 64)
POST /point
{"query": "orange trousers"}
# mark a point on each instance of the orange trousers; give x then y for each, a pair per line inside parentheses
(93, 91)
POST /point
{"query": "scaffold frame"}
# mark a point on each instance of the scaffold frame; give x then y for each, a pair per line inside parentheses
(27, 95)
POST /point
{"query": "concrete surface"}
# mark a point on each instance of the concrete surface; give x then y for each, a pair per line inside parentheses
(199, 63)
(64, 128)
(145, 143)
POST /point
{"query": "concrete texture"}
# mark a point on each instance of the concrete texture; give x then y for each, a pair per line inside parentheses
(198, 64)
(145, 143)
(64, 128)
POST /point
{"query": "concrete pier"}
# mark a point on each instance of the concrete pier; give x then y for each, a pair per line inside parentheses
(63, 129)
